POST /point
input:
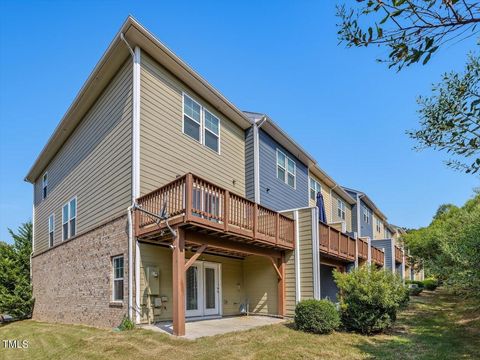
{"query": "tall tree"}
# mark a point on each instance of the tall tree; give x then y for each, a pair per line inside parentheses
(15, 287)
(412, 31)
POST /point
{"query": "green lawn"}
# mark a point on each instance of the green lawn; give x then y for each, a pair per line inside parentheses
(435, 326)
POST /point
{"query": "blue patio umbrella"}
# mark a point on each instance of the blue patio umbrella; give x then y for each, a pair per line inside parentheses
(322, 216)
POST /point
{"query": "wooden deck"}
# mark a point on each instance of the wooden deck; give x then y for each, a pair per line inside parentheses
(378, 256)
(398, 254)
(336, 244)
(362, 248)
(197, 203)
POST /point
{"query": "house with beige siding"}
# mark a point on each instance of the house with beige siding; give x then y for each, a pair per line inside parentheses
(158, 199)
(140, 206)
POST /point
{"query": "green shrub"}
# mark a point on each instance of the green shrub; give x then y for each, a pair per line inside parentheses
(430, 284)
(417, 282)
(126, 324)
(316, 316)
(415, 290)
(370, 299)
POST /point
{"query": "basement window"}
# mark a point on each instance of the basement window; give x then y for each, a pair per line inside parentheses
(117, 263)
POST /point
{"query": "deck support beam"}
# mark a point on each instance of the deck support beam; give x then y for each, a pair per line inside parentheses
(199, 252)
(178, 272)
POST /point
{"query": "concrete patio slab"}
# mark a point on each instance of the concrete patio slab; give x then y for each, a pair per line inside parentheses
(200, 328)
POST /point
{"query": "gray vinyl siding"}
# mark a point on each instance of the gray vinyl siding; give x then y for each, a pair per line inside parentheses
(365, 229)
(94, 164)
(166, 152)
(275, 193)
(249, 165)
(386, 246)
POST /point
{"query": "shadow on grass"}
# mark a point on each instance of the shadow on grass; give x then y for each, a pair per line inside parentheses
(433, 327)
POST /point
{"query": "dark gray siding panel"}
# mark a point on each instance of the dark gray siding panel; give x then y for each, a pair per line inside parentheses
(249, 165)
(274, 193)
(386, 245)
(366, 229)
(328, 288)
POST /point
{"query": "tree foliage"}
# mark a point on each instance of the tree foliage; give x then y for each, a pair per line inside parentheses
(15, 288)
(450, 246)
(450, 118)
(412, 30)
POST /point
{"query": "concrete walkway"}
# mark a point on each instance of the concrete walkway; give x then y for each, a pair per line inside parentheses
(201, 328)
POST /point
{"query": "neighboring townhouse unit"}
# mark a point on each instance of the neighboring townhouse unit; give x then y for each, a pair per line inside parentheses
(373, 225)
(148, 139)
(283, 176)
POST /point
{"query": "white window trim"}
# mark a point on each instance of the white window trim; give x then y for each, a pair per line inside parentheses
(114, 278)
(366, 215)
(203, 128)
(343, 209)
(310, 187)
(67, 204)
(44, 185)
(285, 180)
(52, 230)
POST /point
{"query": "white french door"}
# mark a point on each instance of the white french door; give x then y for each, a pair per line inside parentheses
(202, 289)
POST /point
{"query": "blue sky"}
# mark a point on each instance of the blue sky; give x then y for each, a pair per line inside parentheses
(277, 57)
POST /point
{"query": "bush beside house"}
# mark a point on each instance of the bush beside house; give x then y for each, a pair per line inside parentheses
(370, 299)
(316, 316)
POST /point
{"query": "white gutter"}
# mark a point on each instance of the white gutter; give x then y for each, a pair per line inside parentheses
(256, 157)
(298, 290)
(135, 184)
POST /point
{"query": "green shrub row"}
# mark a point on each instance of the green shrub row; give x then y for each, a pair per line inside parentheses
(429, 284)
(369, 301)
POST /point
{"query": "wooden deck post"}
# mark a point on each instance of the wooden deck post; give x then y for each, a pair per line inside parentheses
(226, 210)
(281, 285)
(178, 298)
(277, 227)
(188, 196)
(255, 220)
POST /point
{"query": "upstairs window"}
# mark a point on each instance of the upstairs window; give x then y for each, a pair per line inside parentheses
(69, 219)
(51, 229)
(315, 188)
(192, 121)
(379, 225)
(366, 215)
(211, 131)
(341, 209)
(200, 124)
(117, 264)
(44, 185)
(286, 169)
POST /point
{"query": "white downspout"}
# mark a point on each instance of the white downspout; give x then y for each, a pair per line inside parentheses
(298, 289)
(135, 184)
(256, 157)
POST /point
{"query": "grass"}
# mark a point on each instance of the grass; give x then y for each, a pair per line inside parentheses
(435, 326)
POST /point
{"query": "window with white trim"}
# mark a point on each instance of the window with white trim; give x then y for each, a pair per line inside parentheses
(44, 185)
(118, 272)
(51, 229)
(286, 169)
(366, 215)
(379, 225)
(69, 219)
(315, 188)
(200, 124)
(211, 131)
(341, 209)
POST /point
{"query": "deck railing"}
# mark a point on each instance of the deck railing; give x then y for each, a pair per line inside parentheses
(398, 254)
(191, 199)
(362, 248)
(335, 243)
(378, 256)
